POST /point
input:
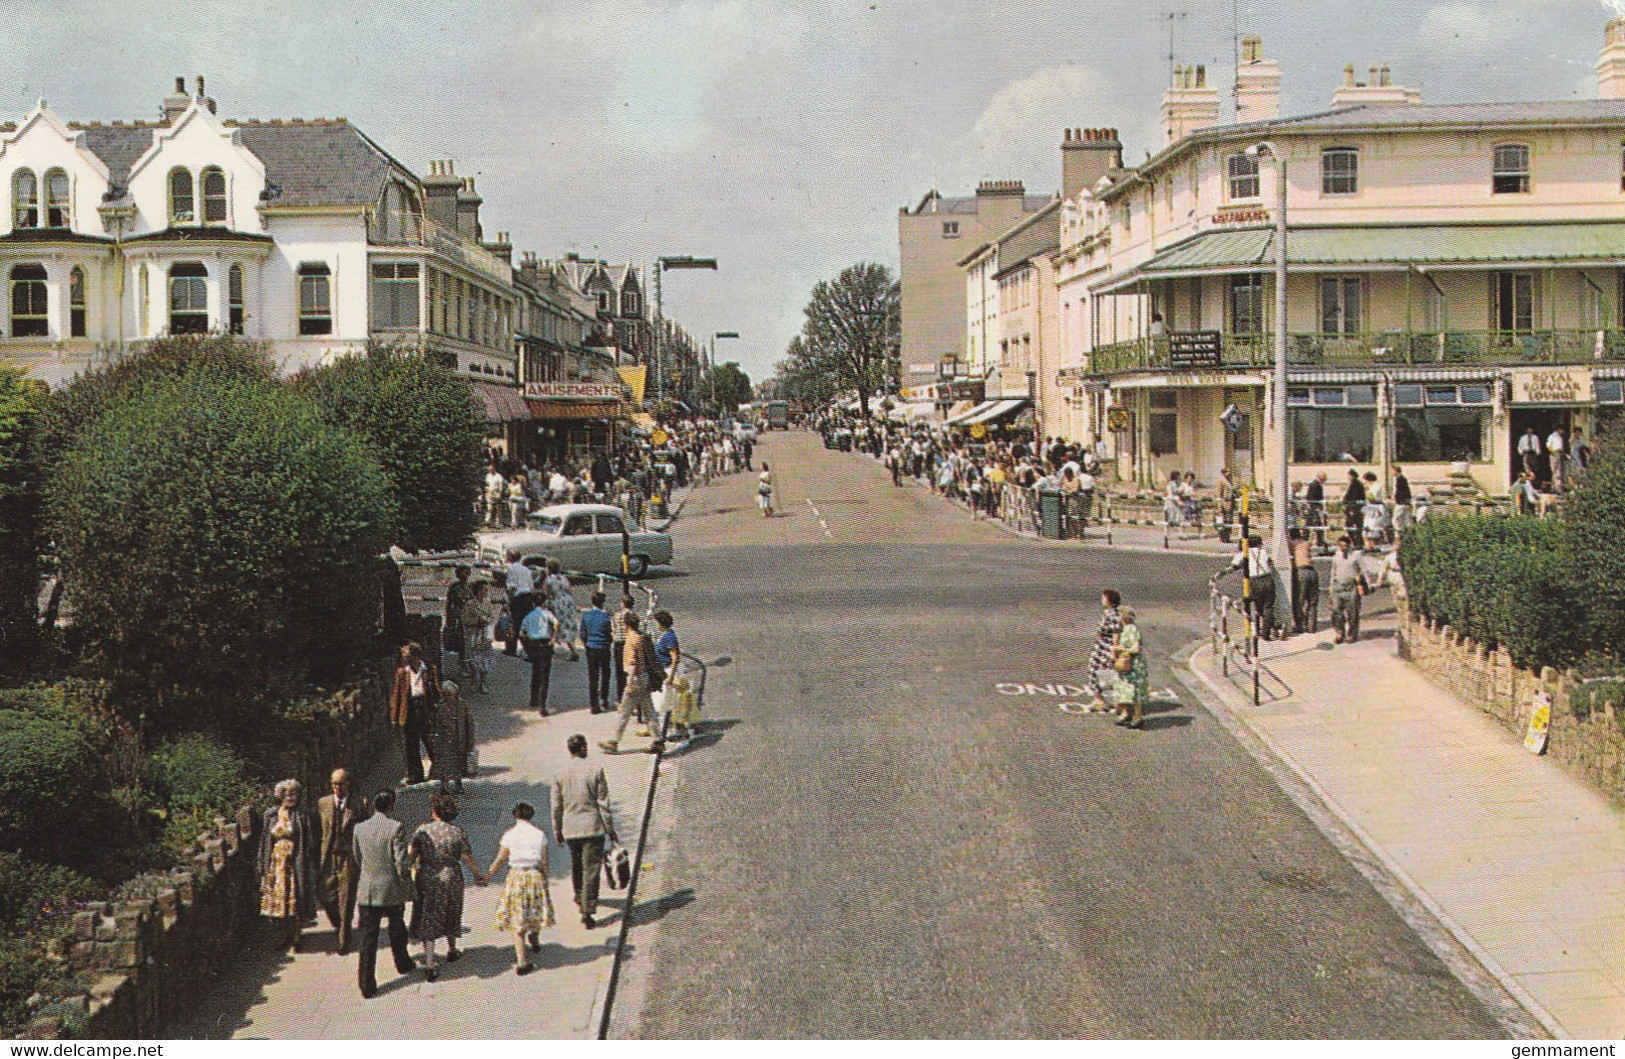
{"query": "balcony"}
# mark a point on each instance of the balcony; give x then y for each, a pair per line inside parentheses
(1381, 349)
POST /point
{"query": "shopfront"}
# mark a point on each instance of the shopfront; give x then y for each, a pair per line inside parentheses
(571, 422)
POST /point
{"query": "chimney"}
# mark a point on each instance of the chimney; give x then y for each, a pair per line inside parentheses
(1086, 156)
(1378, 90)
(1190, 104)
(440, 190)
(1258, 83)
(468, 211)
(202, 97)
(1611, 63)
(175, 105)
(501, 247)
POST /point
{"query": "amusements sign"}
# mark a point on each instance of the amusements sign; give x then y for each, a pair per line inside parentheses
(1194, 349)
(579, 391)
(1551, 386)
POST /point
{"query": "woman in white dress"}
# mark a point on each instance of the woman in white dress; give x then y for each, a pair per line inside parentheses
(561, 599)
(764, 492)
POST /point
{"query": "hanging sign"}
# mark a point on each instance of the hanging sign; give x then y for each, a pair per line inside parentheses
(1117, 419)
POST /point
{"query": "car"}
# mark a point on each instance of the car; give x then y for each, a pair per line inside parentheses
(584, 538)
(744, 432)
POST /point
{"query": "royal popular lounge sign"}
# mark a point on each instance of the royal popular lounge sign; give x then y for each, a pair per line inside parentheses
(1551, 386)
(576, 391)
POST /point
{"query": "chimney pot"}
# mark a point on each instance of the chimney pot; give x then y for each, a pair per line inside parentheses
(200, 86)
(180, 86)
(1201, 76)
(1348, 75)
(1387, 75)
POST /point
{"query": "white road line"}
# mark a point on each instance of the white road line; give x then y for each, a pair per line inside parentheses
(820, 517)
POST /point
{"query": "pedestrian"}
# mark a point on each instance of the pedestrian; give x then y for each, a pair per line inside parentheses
(1376, 522)
(521, 581)
(1582, 451)
(286, 857)
(1191, 505)
(1354, 504)
(1258, 584)
(518, 502)
(1394, 577)
(1173, 505)
(1132, 672)
(597, 639)
(383, 886)
(496, 489)
(617, 629)
(537, 632)
(1403, 514)
(451, 738)
(561, 599)
(439, 851)
(458, 593)
(478, 617)
(411, 706)
(1348, 588)
(1557, 452)
(582, 821)
(669, 654)
(764, 491)
(1314, 497)
(1305, 585)
(640, 664)
(336, 816)
(1226, 491)
(1102, 674)
(1529, 451)
(526, 906)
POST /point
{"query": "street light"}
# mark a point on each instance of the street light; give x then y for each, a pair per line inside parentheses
(712, 373)
(1278, 543)
(666, 264)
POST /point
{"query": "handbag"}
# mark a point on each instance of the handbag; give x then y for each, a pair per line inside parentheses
(617, 868)
(1123, 661)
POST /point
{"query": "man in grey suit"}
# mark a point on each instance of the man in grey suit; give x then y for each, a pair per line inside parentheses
(383, 887)
(581, 820)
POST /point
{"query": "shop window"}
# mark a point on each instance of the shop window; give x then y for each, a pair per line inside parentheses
(29, 313)
(58, 200)
(315, 299)
(234, 299)
(24, 199)
(1162, 425)
(395, 297)
(214, 196)
(1339, 171)
(1439, 433)
(1242, 170)
(1330, 435)
(1247, 304)
(77, 322)
(1341, 302)
(188, 299)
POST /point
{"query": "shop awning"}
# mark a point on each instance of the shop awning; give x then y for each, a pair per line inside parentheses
(644, 422)
(1386, 248)
(910, 411)
(503, 404)
(961, 418)
(995, 411)
(575, 409)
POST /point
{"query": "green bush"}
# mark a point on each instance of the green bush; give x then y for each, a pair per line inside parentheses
(427, 429)
(1594, 520)
(197, 778)
(218, 539)
(51, 774)
(19, 524)
(37, 895)
(24, 971)
(1501, 582)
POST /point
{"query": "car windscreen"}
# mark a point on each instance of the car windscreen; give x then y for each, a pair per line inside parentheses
(546, 523)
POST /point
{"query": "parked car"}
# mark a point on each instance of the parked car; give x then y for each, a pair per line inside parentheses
(584, 538)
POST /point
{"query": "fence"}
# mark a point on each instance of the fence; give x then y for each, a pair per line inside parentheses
(1234, 638)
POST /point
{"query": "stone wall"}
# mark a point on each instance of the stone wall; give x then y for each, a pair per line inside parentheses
(1590, 744)
(163, 941)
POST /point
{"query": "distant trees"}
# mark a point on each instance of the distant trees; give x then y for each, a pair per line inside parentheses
(850, 338)
(727, 385)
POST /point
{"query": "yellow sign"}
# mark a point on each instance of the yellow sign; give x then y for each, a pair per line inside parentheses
(1540, 721)
(1117, 419)
(659, 437)
(978, 431)
(1552, 386)
(634, 375)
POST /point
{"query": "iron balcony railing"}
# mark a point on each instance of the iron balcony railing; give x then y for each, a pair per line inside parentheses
(1382, 349)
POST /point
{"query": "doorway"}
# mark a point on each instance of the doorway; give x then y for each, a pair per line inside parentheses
(1542, 421)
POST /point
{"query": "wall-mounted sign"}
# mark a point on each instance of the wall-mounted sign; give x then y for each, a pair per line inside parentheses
(1551, 386)
(1248, 215)
(1117, 419)
(1194, 349)
(962, 390)
(580, 391)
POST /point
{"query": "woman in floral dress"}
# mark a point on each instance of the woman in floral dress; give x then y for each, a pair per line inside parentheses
(1133, 682)
(439, 851)
(562, 600)
(526, 906)
(478, 617)
(287, 897)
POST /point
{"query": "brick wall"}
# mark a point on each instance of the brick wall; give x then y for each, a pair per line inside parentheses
(1591, 746)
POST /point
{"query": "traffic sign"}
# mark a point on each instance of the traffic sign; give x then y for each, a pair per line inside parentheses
(659, 437)
(1117, 420)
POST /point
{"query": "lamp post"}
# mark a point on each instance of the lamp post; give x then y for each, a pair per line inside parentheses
(712, 371)
(666, 264)
(1038, 423)
(1282, 488)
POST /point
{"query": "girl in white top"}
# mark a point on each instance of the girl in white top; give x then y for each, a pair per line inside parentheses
(764, 492)
(526, 906)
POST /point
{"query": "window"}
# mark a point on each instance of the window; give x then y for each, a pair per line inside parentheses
(29, 315)
(950, 229)
(610, 524)
(1622, 168)
(315, 299)
(1340, 305)
(577, 526)
(1511, 169)
(1162, 425)
(603, 301)
(181, 208)
(395, 297)
(1247, 304)
(1328, 435)
(400, 214)
(1512, 301)
(629, 303)
(144, 286)
(214, 196)
(77, 322)
(234, 299)
(1339, 171)
(1439, 434)
(1243, 173)
(24, 199)
(188, 297)
(58, 200)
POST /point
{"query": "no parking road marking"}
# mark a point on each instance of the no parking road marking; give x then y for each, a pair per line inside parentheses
(1069, 692)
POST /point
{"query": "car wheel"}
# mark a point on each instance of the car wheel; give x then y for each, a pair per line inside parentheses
(637, 565)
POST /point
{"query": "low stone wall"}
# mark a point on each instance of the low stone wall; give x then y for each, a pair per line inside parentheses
(160, 946)
(1591, 744)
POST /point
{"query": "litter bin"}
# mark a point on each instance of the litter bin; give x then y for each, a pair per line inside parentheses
(1049, 515)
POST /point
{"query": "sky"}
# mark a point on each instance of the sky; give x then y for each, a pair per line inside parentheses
(779, 137)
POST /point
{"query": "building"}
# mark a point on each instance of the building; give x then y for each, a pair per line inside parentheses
(1457, 277)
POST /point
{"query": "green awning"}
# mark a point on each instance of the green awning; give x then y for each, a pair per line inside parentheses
(1387, 247)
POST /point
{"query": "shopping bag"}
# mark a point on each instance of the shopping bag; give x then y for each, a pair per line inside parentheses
(617, 868)
(685, 707)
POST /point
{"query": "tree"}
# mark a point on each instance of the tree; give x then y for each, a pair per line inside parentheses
(19, 524)
(1594, 524)
(427, 430)
(727, 385)
(853, 331)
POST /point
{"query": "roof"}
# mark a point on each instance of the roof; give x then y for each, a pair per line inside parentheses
(51, 235)
(967, 205)
(201, 234)
(1236, 250)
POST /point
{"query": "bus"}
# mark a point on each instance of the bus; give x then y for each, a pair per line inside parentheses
(778, 415)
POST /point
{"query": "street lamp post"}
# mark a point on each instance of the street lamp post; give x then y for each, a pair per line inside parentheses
(1279, 549)
(712, 373)
(666, 264)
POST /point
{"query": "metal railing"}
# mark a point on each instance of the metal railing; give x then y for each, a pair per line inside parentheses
(1234, 637)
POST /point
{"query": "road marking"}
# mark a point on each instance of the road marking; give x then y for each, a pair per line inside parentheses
(820, 517)
(1053, 690)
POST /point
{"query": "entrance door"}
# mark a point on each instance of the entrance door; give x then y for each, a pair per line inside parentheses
(1543, 421)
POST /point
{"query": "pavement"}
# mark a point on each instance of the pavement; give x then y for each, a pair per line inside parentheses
(1517, 859)
(895, 824)
(313, 994)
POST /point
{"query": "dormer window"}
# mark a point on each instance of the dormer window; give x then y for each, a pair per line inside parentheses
(1242, 170)
(214, 196)
(182, 207)
(629, 303)
(58, 200)
(24, 199)
(603, 301)
(1511, 170)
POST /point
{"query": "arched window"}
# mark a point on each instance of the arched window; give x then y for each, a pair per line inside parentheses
(188, 297)
(234, 298)
(629, 302)
(29, 315)
(214, 196)
(58, 200)
(144, 299)
(315, 299)
(182, 208)
(77, 322)
(24, 199)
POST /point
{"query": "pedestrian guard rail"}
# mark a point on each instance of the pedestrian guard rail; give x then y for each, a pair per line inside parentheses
(1234, 637)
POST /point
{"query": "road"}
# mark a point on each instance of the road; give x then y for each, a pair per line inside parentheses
(876, 841)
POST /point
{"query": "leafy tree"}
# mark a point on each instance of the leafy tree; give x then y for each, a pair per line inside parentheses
(727, 385)
(218, 539)
(853, 331)
(426, 427)
(1594, 521)
(19, 524)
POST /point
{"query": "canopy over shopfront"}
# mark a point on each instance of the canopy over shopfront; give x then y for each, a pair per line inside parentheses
(989, 412)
